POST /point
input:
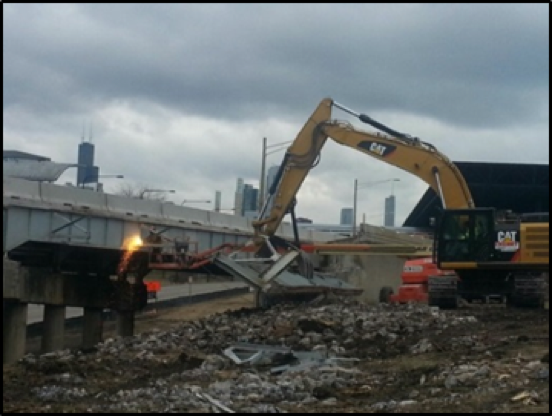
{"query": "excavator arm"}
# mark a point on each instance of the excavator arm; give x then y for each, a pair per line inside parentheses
(407, 153)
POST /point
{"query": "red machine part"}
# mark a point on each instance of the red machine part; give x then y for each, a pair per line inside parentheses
(414, 278)
(187, 261)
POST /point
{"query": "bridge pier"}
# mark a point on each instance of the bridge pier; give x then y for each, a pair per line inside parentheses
(33, 285)
(369, 272)
(125, 323)
(53, 335)
(14, 330)
(92, 327)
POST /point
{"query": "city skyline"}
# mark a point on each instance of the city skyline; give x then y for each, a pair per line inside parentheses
(246, 197)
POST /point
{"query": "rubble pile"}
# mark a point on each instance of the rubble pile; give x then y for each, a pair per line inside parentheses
(347, 329)
(342, 356)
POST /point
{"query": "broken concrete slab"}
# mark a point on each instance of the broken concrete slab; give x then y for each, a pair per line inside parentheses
(285, 357)
(280, 281)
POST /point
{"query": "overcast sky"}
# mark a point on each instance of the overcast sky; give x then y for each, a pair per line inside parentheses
(180, 96)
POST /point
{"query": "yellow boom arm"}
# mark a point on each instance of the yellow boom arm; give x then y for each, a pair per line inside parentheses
(410, 154)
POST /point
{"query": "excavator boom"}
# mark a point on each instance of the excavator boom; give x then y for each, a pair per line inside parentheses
(410, 154)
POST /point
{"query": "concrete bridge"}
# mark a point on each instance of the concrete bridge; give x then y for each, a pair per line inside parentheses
(62, 247)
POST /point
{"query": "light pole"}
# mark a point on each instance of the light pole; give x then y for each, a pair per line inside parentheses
(195, 201)
(276, 147)
(147, 190)
(358, 186)
(100, 176)
(262, 182)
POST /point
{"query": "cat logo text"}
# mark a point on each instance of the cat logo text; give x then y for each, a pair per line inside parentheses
(506, 241)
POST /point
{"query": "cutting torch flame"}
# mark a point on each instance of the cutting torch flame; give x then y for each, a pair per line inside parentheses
(134, 243)
(130, 245)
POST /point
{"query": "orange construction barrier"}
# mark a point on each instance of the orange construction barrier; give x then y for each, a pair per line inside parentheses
(153, 288)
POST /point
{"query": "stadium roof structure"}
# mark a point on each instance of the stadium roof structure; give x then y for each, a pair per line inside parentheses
(521, 188)
(16, 154)
(32, 167)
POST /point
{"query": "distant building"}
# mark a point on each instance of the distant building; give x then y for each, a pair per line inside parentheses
(238, 197)
(346, 216)
(250, 198)
(389, 213)
(270, 176)
(346, 230)
(302, 220)
(338, 229)
(252, 215)
(218, 198)
(86, 172)
(246, 198)
(32, 167)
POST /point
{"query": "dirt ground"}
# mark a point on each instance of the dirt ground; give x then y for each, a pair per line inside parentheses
(508, 335)
(167, 318)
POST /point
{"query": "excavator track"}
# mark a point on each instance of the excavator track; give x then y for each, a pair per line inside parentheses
(528, 291)
(443, 292)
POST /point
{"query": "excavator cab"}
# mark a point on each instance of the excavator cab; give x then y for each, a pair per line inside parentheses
(464, 237)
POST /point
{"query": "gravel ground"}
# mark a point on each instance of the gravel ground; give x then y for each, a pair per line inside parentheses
(401, 359)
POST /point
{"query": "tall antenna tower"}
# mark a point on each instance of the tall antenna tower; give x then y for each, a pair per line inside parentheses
(90, 133)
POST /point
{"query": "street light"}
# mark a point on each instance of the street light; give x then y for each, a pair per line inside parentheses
(365, 185)
(98, 177)
(276, 147)
(195, 201)
(145, 191)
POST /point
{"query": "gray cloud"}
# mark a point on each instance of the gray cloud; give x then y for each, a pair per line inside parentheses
(453, 61)
(182, 94)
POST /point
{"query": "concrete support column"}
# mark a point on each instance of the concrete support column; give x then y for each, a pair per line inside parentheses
(92, 327)
(125, 323)
(15, 330)
(53, 335)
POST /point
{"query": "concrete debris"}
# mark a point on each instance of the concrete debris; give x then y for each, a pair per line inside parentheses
(284, 358)
(340, 356)
(527, 397)
(214, 402)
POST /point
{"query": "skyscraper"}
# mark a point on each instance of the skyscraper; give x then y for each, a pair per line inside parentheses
(239, 185)
(389, 215)
(270, 176)
(346, 216)
(86, 172)
(238, 198)
(250, 198)
(218, 198)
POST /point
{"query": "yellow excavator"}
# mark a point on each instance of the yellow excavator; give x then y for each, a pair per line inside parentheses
(491, 256)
